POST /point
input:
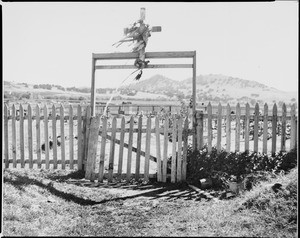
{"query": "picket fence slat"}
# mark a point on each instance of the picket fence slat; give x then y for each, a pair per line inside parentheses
(138, 153)
(247, 124)
(112, 150)
(165, 150)
(6, 154)
(179, 156)
(129, 155)
(283, 128)
(238, 127)
(265, 130)
(173, 161)
(22, 146)
(62, 137)
(30, 149)
(228, 128)
(46, 136)
(256, 114)
(219, 126)
(293, 127)
(102, 150)
(274, 126)
(14, 137)
(71, 138)
(209, 128)
(121, 150)
(54, 135)
(79, 138)
(147, 154)
(185, 145)
(158, 151)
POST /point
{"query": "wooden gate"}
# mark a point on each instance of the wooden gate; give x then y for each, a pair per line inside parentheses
(150, 147)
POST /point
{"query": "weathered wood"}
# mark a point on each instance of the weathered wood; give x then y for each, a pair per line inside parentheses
(129, 155)
(86, 133)
(173, 161)
(121, 150)
(71, 137)
(6, 154)
(79, 138)
(30, 149)
(149, 66)
(112, 150)
(14, 136)
(165, 150)
(274, 126)
(46, 136)
(54, 137)
(219, 130)
(62, 137)
(158, 151)
(209, 128)
(92, 148)
(22, 145)
(256, 114)
(149, 55)
(93, 89)
(102, 149)
(194, 85)
(228, 128)
(238, 127)
(138, 154)
(293, 127)
(265, 130)
(199, 128)
(185, 145)
(147, 150)
(247, 123)
(283, 128)
(179, 156)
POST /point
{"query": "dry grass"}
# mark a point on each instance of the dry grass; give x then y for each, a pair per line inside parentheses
(61, 203)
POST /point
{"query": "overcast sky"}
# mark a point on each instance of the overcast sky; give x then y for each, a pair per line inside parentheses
(53, 42)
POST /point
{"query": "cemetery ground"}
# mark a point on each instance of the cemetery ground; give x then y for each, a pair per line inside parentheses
(62, 203)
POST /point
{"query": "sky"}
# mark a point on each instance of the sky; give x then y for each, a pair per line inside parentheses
(52, 42)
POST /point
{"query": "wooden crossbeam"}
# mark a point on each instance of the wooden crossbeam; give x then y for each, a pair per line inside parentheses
(150, 66)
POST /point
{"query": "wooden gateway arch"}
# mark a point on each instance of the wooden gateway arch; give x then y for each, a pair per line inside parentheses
(148, 55)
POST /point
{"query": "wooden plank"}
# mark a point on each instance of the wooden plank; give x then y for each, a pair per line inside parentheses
(147, 154)
(293, 127)
(179, 156)
(92, 148)
(112, 150)
(283, 128)
(71, 137)
(265, 130)
(194, 90)
(238, 127)
(121, 150)
(6, 154)
(209, 128)
(138, 154)
(256, 114)
(148, 55)
(199, 118)
(165, 150)
(14, 136)
(22, 138)
(247, 123)
(86, 133)
(174, 159)
(102, 149)
(185, 145)
(219, 130)
(228, 128)
(62, 137)
(54, 137)
(274, 126)
(93, 89)
(46, 136)
(129, 156)
(149, 66)
(158, 151)
(79, 138)
(30, 149)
